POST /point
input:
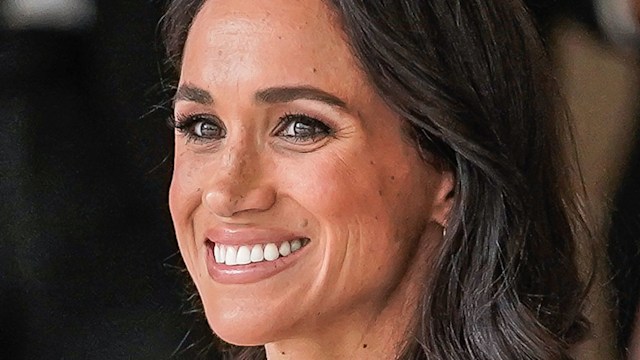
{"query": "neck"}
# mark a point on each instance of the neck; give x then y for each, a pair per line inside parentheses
(356, 337)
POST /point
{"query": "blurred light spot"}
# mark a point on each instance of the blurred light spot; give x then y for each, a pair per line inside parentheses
(47, 14)
(619, 22)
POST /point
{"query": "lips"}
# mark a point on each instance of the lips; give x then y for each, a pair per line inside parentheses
(244, 255)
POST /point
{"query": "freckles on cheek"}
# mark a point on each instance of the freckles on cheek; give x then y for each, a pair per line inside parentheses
(185, 191)
(323, 182)
(184, 199)
(333, 186)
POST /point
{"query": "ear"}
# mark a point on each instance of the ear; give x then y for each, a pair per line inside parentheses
(444, 196)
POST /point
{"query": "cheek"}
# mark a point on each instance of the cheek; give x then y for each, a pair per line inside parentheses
(347, 186)
(359, 205)
(185, 195)
(185, 189)
(184, 198)
(329, 185)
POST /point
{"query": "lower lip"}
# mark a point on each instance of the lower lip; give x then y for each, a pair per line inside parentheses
(250, 273)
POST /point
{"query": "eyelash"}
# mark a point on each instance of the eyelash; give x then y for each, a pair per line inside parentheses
(288, 119)
(185, 124)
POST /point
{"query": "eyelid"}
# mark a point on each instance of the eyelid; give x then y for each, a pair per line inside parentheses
(182, 121)
(329, 118)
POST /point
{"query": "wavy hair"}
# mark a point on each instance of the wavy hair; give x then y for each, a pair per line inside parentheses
(473, 80)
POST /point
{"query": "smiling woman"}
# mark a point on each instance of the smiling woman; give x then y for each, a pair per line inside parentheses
(373, 180)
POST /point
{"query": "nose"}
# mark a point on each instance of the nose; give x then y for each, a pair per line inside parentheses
(239, 184)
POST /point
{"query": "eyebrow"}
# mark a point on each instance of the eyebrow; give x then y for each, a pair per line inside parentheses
(285, 94)
(192, 93)
(273, 95)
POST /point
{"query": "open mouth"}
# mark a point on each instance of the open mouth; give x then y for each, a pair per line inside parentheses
(233, 255)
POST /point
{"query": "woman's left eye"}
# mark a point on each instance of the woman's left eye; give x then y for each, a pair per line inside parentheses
(302, 128)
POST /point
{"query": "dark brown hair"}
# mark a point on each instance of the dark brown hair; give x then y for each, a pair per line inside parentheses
(473, 80)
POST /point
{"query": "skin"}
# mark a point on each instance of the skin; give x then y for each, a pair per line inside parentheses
(372, 207)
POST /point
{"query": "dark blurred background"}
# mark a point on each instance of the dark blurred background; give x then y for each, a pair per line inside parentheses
(88, 262)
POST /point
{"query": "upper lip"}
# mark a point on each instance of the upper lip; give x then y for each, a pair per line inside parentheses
(249, 236)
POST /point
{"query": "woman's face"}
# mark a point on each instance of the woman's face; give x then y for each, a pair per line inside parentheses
(298, 200)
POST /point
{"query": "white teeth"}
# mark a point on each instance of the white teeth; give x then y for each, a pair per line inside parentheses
(285, 248)
(257, 253)
(230, 259)
(216, 253)
(271, 252)
(244, 256)
(247, 254)
(296, 245)
(223, 254)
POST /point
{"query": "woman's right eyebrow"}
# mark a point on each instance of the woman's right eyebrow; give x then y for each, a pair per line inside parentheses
(188, 92)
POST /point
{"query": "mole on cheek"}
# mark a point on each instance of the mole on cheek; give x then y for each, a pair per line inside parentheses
(304, 224)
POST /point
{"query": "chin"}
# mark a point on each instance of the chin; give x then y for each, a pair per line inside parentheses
(239, 334)
(239, 326)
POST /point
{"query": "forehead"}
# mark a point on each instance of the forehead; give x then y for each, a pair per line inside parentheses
(272, 41)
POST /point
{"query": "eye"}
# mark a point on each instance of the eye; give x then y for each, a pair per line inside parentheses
(200, 128)
(206, 130)
(302, 128)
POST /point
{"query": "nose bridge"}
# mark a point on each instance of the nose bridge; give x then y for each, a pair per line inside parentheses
(239, 180)
(241, 161)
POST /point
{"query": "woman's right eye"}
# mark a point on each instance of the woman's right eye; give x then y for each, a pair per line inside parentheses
(200, 128)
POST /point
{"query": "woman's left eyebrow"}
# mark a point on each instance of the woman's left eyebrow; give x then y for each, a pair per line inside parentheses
(286, 94)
